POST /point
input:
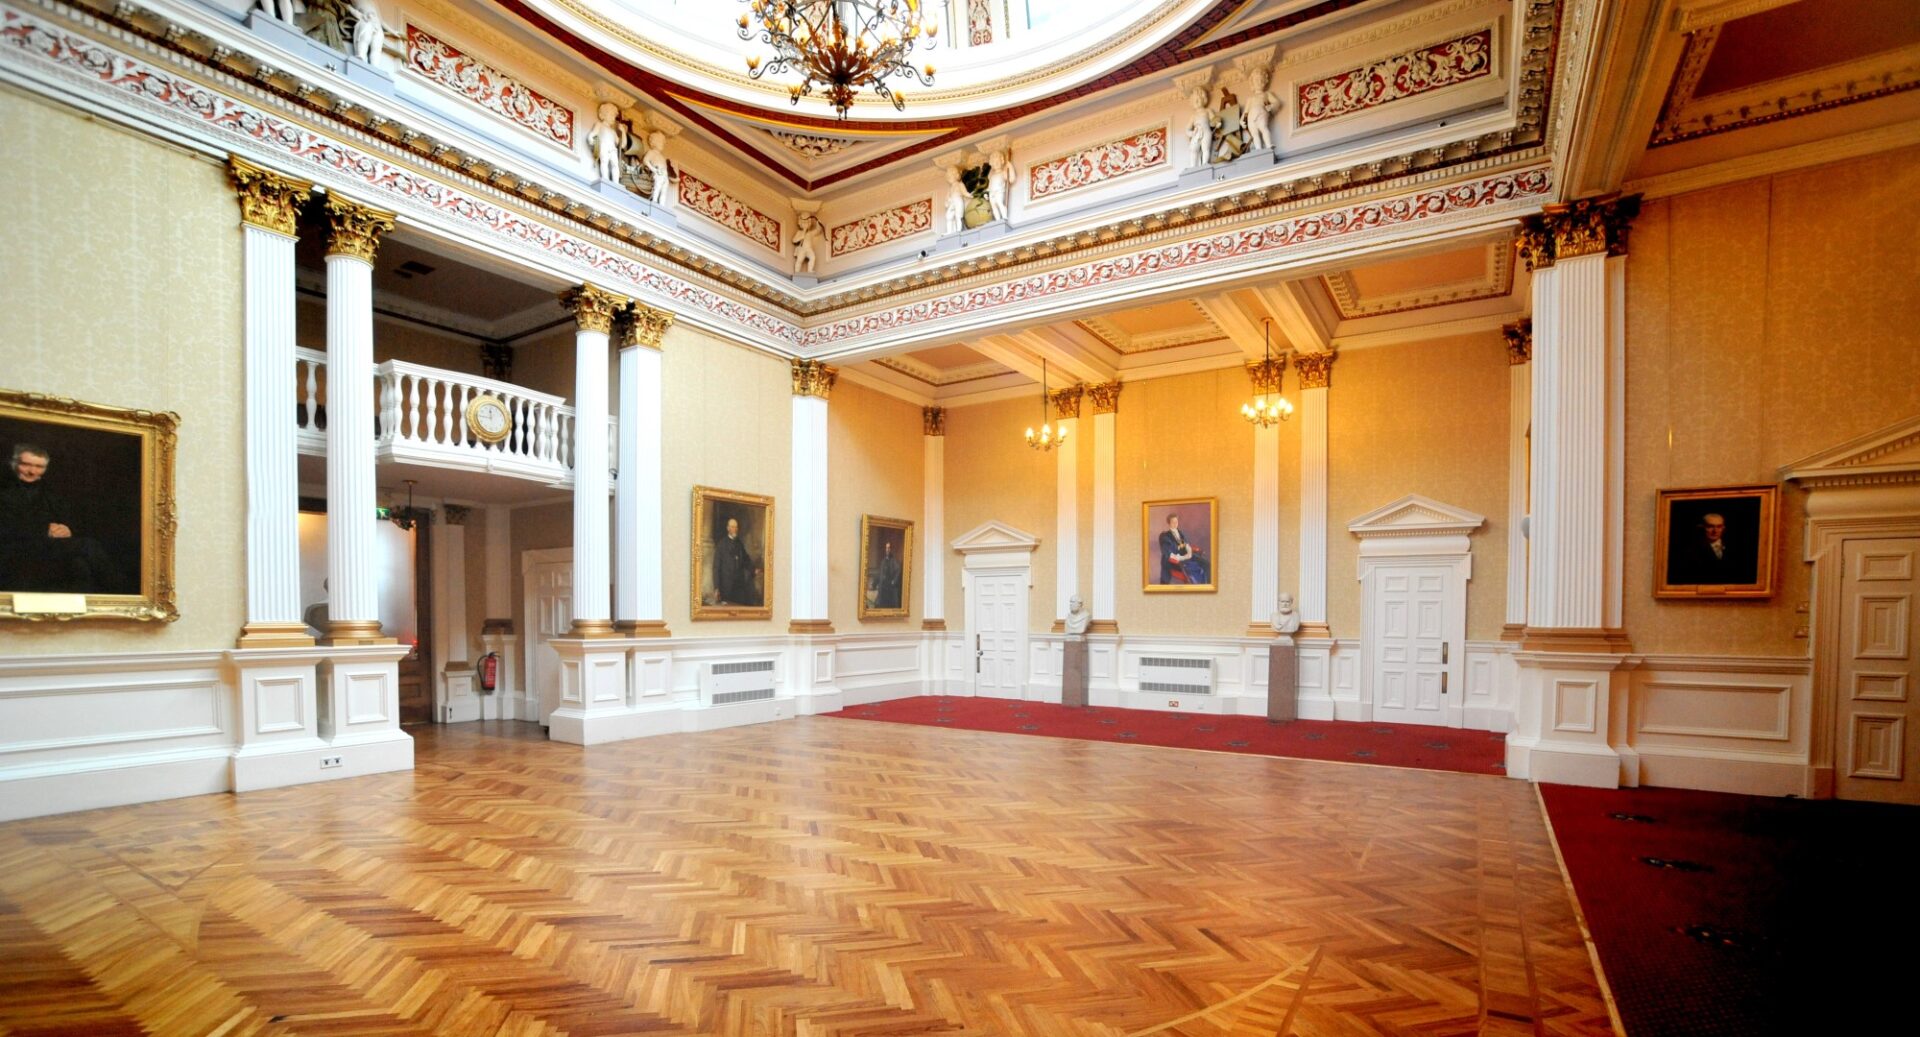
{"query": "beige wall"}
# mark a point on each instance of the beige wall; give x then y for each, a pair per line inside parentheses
(1766, 320)
(993, 476)
(728, 414)
(1184, 437)
(875, 462)
(122, 287)
(1428, 418)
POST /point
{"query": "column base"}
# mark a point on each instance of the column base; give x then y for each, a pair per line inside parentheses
(933, 624)
(1059, 627)
(274, 635)
(810, 626)
(1264, 631)
(342, 632)
(1314, 630)
(503, 627)
(1513, 632)
(642, 628)
(1574, 639)
(1103, 626)
(591, 629)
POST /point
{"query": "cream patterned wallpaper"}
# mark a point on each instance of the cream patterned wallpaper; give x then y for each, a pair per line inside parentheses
(1766, 320)
(875, 462)
(992, 475)
(122, 287)
(1427, 418)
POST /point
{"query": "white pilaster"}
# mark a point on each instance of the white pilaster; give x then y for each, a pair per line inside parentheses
(456, 700)
(1105, 466)
(812, 382)
(593, 311)
(352, 556)
(933, 561)
(1066, 503)
(499, 561)
(1519, 419)
(638, 605)
(1265, 557)
(1568, 563)
(1315, 372)
(273, 492)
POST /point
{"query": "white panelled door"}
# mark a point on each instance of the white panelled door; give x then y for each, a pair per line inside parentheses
(549, 615)
(1877, 747)
(1411, 656)
(999, 626)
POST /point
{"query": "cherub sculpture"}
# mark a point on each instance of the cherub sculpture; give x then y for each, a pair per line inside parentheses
(657, 166)
(1258, 110)
(999, 182)
(609, 139)
(957, 198)
(1200, 130)
(367, 30)
(806, 239)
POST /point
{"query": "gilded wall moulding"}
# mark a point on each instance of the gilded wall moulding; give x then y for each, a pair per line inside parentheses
(267, 199)
(1519, 341)
(1267, 373)
(1105, 397)
(1585, 227)
(642, 325)
(488, 87)
(1410, 74)
(813, 378)
(1066, 402)
(933, 421)
(593, 308)
(1316, 369)
(356, 228)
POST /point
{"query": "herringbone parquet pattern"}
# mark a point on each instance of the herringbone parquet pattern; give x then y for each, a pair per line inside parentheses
(816, 877)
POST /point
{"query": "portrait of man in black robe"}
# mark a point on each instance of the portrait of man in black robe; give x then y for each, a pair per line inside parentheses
(736, 576)
(48, 542)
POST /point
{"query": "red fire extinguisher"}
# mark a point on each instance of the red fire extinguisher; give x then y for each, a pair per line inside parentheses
(489, 672)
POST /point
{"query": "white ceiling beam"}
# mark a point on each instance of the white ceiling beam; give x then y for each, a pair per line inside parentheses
(1298, 310)
(1241, 327)
(1014, 356)
(1071, 349)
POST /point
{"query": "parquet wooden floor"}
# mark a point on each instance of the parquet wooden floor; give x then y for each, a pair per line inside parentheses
(814, 877)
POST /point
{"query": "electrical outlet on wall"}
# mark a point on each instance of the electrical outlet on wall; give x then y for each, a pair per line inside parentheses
(327, 762)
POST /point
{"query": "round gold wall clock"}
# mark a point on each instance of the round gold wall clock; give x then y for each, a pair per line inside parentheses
(489, 419)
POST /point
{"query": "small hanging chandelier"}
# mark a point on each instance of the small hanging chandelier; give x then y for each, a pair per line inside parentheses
(1267, 406)
(1049, 436)
(840, 45)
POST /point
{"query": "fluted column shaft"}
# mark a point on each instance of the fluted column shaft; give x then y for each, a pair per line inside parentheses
(1519, 421)
(1315, 376)
(1066, 562)
(933, 551)
(353, 575)
(593, 311)
(812, 385)
(638, 604)
(1106, 404)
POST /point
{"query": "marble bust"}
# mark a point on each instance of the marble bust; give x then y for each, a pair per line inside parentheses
(1286, 620)
(1078, 618)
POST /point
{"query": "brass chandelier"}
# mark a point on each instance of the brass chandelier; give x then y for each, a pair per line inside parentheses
(840, 45)
(1268, 405)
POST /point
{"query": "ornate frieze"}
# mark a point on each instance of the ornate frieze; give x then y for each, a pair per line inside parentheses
(810, 145)
(593, 308)
(1316, 369)
(1066, 402)
(1519, 341)
(878, 228)
(813, 378)
(641, 325)
(488, 87)
(1578, 228)
(1401, 76)
(267, 199)
(1105, 397)
(728, 211)
(1098, 164)
(933, 421)
(1267, 373)
(356, 228)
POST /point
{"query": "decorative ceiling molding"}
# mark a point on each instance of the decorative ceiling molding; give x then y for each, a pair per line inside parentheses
(922, 371)
(1687, 117)
(1120, 341)
(1421, 70)
(810, 146)
(1495, 281)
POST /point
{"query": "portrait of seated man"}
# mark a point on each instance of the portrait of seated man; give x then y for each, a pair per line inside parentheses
(45, 544)
(736, 576)
(1178, 542)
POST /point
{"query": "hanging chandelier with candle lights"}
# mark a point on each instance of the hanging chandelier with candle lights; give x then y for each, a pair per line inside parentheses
(1047, 436)
(841, 46)
(1268, 405)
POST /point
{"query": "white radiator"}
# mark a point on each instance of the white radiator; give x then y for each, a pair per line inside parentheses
(1176, 675)
(723, 684)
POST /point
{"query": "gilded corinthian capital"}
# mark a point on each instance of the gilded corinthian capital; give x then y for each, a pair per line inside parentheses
(1066, 402)
(641, 325)
(356, 228)
(593, 308)
(1519, 341)
(1316, 369)
(267, 199)
(1585, 227)
(1105, 397)
(813, 378)
(933, 421)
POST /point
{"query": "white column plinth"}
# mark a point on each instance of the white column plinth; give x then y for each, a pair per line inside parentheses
(593, 689)
(279, 719)
(359, 688)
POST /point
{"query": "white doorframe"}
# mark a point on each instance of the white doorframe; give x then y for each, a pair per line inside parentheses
(1415, 531)
(530, 690)
(997, 549)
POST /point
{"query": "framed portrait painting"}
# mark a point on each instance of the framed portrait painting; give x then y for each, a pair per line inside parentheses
(886, 567)
(87, 513)
(732, 554)
(1717, 542)
(1177, 539)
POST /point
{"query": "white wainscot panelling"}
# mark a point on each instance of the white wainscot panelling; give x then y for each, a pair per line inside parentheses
(1490, 678)
(1238, 671)
(1724, 723)
(878, 667)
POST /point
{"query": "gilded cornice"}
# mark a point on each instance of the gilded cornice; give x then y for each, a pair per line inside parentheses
(1105, 397)
(1584, 227)
(1267, 373)
(933, 421)
(1316, 369)
(593, 308)
(1519, 341)
(813, 378)
(1066, 402)
(267, 199)
(641, 325)
(356, 228)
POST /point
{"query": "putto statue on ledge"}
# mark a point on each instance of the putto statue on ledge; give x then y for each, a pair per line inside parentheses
(999, 182)
(367, 30)
(1078, 618)
(656, 164)
(609, 139)
(806, 239)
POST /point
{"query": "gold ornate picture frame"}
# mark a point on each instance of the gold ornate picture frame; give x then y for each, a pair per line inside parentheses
(87, 511)
(732, 576)
(1717, 542)
(886, 568)
(1179, 561)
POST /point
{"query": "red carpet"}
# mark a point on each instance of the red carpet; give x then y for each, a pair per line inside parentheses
(1720, 914)
(1389, 745)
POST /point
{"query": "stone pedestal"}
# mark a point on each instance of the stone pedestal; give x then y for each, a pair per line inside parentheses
(1073, 672)
(1283, 692)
